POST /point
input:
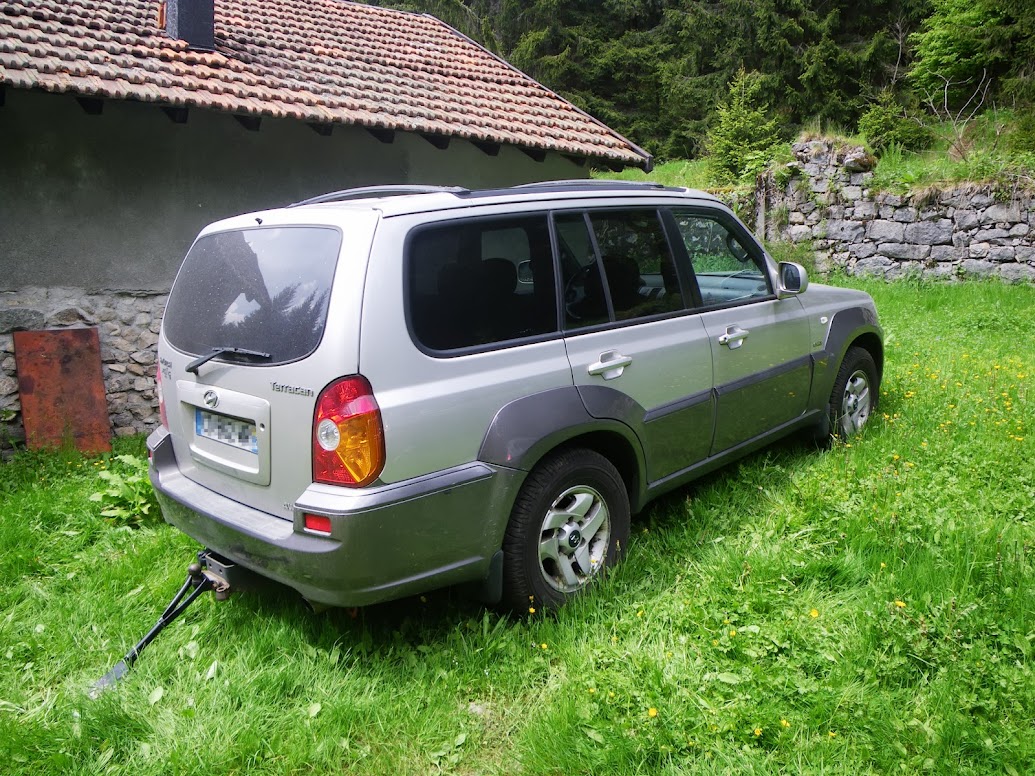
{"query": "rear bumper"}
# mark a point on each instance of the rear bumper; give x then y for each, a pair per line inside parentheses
(386, 542)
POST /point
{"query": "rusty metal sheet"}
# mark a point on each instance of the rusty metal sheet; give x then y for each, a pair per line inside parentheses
(62, 389)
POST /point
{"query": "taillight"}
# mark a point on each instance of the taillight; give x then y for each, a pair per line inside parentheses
(348, 438)
(161, 398)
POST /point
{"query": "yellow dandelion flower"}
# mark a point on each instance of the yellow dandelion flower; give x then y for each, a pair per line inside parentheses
(883, 565)
(531, 610)
(832, 734)
(592, 690)
(814, 613)
(544, 645)
(733, 633)
(784, 723)
(639, 613)
(652, 712)
(758, 731)
(900, 604)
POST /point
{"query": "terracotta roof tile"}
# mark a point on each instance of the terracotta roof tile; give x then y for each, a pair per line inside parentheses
(327, 61)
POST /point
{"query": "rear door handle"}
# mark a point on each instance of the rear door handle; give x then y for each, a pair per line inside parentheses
(734, 337)
(611, 365)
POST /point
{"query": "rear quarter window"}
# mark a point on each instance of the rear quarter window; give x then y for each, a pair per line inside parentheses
(477, 282)
(263, 289)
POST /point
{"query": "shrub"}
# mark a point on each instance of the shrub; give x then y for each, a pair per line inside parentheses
(885, 123)
(128, 497)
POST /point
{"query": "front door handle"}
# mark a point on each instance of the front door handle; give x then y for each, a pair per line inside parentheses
(611, 365)
(734, 337)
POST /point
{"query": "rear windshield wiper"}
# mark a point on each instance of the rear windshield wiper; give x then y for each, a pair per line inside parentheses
(197, 363)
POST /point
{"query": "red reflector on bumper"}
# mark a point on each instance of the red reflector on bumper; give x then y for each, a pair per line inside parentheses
(318, 523)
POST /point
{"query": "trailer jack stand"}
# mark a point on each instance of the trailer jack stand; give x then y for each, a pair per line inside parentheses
(207, 573)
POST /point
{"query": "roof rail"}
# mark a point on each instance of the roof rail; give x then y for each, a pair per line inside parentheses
(377, 191)
(597, 183)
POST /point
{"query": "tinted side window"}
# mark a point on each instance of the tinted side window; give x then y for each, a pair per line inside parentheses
(481, 281)
(726, 270)
(639, 275)
(585, 303)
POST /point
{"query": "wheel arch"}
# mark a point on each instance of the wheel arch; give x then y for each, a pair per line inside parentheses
(871, 342)
(854, 326)
(617, 449)
(529, 429)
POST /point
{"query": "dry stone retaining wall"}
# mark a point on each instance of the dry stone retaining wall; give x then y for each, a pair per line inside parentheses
(128, 324)
(952, 233)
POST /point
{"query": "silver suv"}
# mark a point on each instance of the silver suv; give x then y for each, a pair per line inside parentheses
(383, 391)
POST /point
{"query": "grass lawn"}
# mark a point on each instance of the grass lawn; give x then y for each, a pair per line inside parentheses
(868, 609)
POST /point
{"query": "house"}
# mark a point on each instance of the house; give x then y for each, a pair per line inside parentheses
(126, 125)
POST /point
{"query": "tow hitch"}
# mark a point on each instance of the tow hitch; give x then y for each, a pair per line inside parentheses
(209, 572)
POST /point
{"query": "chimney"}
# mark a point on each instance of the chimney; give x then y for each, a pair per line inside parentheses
(192, 21)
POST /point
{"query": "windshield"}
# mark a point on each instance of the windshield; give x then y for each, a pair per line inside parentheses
(263, 289)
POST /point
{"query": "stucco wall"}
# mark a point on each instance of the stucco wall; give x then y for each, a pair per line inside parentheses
(97, 211)
(113, 201)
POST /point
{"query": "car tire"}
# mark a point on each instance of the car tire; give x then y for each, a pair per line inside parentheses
(855, 395)
(570, 521)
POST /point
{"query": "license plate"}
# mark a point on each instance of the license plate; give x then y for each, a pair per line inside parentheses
(230, 431)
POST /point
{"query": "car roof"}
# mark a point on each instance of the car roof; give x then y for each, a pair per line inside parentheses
(406, 199)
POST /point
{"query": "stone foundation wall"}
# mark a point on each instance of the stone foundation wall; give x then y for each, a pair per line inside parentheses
(952, 233)
(128, 324)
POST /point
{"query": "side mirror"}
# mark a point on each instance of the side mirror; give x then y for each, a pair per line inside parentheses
(524, 272)
(793, 279)
(737, 251)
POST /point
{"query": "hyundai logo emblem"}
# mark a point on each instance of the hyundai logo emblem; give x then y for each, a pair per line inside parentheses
(211, 399)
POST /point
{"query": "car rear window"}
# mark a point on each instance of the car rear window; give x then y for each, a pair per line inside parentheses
(263, 289)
